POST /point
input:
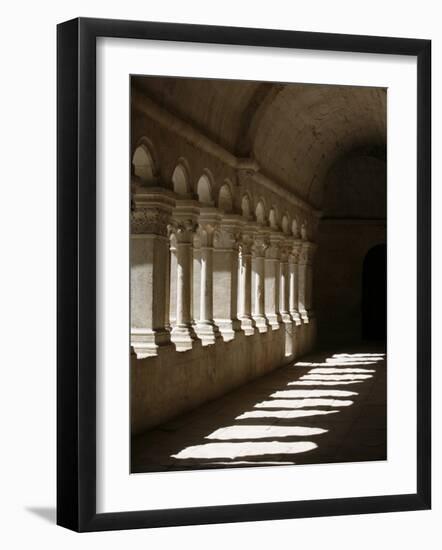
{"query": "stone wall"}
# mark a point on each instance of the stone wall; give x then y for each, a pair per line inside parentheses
(174, 382)
(342, 247)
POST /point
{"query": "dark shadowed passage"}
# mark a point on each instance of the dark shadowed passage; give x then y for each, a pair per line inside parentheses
(374, 294)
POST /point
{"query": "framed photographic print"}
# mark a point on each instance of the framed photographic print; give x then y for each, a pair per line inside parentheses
(243, 274)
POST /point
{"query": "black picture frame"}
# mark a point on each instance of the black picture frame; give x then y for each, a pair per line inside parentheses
(76, 273)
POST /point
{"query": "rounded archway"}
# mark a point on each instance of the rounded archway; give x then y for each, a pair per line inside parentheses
(285, 224)
(273, 218)
(180, 180)
(260, 213)
(143, 164)
(246, 206)
(225, 199)
(204, 189)
(374, 294)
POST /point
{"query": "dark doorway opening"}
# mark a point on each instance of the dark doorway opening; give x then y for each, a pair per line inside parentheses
(374, 294)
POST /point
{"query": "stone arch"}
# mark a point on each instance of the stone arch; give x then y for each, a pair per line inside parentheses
(273, 217)
(304, 231)
(225, 198)
(246, 206)
(143, 162)
(285, 224)
(180, 179)
(204, 189)
(260, 213)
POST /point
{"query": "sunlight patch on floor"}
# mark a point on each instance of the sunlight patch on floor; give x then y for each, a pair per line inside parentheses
(287, 414)
(253, 463)
(300, 403)
(344, 356)
(263, 432)
(336, 376)
(334, 363)
(313, 393)
(323, 383)
(248, 448)
(332, 370)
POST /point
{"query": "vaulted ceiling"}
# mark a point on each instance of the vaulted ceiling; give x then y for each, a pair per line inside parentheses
(296, 132)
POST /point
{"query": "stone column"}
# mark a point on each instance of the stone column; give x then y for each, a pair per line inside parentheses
(305, 295)
(196, 277)
(245, 284)
(225, 278)
(305, 280)
(258, 282)
(272, 283)
(284, 291)
(293, 281)
(205, 327)
(181, 236)
(284, 284)
(172, 285)
(149, 256)
(309, 280)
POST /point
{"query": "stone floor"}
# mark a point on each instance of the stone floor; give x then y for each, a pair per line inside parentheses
(326, 407)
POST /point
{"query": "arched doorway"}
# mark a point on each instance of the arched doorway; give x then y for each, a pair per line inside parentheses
(374, 294)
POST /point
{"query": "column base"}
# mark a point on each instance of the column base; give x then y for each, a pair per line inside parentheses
(145, 342)
(289, 329)
(228, 328)
(294, 314)
(247, 325)
(183, 337)
(274, 320)
(286, 318)
(261, 323)
(207, 332)
(304, 317)
(304, 332)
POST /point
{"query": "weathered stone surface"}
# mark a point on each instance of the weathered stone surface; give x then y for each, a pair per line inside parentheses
(233, 269)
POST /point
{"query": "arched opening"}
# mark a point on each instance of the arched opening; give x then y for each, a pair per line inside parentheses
(245, 206)
(273, 218)
(260, 213)
(143, 164)
(304, 233)
(225, 199)
(374, 294)
(180, 180)
(204, 189)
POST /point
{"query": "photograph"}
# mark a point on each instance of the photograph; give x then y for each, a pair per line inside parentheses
(258, 273)
(220, 283)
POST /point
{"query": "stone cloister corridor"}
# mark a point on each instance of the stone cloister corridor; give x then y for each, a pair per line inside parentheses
(325, 408)
(257, 304)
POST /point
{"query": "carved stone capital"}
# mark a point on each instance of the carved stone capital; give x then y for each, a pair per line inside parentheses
(284, 250)
(147, 221)
(205, 234)
(307, 253)
(273, 251)
(245, 244)
(260, 245)
(182, 231)
(226, 238)
(295, 252)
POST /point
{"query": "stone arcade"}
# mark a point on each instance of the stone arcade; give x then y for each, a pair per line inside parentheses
(250, 203)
